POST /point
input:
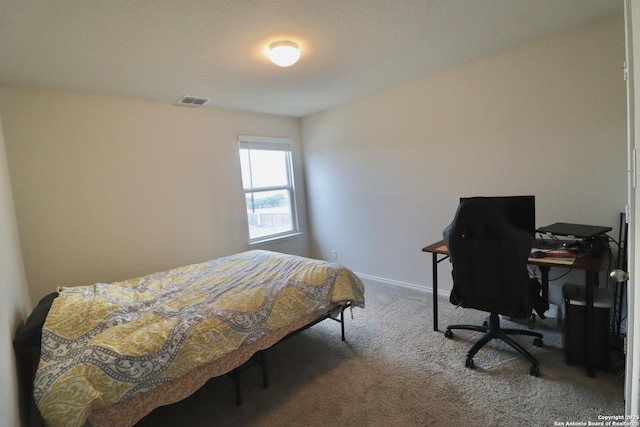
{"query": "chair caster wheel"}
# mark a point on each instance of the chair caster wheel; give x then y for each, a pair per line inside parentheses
(448, 333)
(469, 363)
(537, 342)
(534, 370)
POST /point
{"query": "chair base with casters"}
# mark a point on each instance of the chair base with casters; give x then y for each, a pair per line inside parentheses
(494, 331)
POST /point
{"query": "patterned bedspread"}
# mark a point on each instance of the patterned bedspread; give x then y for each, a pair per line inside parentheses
(112, 345)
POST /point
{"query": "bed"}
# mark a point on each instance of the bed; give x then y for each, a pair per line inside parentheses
(111, 353)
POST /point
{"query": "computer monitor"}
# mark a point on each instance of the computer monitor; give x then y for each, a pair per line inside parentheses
(519, 210)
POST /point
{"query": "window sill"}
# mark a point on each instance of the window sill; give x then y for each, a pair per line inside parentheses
(276, 239)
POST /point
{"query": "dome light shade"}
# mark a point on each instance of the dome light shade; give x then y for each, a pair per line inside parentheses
(284, 53)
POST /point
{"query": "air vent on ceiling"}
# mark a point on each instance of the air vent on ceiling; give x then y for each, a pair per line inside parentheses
(191, 101)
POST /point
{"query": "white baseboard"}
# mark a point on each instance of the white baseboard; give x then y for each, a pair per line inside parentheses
(401, 284)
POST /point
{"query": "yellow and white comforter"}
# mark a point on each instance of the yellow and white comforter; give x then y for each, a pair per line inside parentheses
(107, 348)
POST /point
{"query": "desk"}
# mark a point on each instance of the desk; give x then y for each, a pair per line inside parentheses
(591, 265)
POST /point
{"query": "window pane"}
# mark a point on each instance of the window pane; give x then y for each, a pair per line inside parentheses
(269, 212)
(264, 168)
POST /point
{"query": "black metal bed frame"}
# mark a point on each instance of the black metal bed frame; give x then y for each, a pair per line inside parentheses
(259, 358)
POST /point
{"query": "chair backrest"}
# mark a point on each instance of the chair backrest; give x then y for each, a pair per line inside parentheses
(489, 257)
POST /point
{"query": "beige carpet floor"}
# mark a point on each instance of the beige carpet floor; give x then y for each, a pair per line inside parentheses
(394, 370)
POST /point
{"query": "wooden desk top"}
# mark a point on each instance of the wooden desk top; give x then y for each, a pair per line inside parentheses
(436, 248)
(585, 262)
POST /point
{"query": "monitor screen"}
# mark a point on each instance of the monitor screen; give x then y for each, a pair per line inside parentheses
(519, 210)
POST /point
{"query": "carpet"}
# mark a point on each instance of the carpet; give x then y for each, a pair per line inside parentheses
(394, 370)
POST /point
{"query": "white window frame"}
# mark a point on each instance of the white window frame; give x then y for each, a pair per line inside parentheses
(276, 144)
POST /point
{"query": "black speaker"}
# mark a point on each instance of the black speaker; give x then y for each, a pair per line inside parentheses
(597, 245)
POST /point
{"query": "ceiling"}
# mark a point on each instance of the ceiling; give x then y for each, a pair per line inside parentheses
(160, 50)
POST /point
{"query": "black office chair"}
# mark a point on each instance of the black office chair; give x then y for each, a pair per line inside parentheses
(489, 258)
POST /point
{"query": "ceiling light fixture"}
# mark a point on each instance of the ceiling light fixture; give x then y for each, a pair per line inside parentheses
(284, 53)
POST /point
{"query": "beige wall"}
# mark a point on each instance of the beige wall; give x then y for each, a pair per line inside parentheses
(384, 173)
(14, 304)
(109, 188)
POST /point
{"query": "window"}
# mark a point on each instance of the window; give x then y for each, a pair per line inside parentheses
(267, 179)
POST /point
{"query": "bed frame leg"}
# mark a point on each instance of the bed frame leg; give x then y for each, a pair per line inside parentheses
(258, 358)
(342, 322)
(263, 365)
(236, 384)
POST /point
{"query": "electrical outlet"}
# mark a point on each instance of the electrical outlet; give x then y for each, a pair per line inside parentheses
(334, 254)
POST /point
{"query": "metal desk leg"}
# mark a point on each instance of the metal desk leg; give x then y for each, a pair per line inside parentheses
(435, 291)
(435, 262)
(544, 272)
(590, 282)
